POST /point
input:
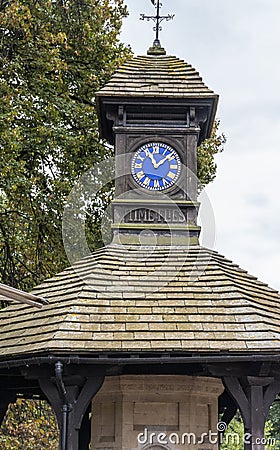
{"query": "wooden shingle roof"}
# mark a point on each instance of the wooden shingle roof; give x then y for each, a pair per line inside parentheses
(156, 76)
(164, 82)
(132, 299)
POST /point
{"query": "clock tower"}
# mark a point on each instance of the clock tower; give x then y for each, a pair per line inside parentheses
(156, 111)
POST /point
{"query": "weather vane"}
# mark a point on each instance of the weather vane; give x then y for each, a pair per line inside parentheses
(157, 19)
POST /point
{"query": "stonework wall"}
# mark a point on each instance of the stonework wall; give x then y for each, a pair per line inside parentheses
(148, 412)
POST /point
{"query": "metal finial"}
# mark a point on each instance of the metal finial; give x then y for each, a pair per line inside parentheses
(156, 48)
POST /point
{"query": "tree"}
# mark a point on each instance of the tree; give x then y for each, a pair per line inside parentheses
(274, 419)
(55, 54)
(29, 424)
(233, 438)
(206, 166)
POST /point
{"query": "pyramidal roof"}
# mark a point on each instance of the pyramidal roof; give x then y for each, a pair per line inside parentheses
(156, 76)
(143, 299)
(150, 80)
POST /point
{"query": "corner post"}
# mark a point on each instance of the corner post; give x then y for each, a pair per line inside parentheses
(253, 396)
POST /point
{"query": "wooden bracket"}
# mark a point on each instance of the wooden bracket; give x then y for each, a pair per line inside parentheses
(192, 117)
(227, 407)
(253, 396)
(78, 399)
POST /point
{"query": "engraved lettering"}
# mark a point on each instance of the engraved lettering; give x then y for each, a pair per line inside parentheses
(159, 215)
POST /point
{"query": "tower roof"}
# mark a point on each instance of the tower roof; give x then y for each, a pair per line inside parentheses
(128, 299)
(157, 76)
(153, 79)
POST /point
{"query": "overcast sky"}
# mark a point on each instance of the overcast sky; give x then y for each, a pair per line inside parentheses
(235, 45)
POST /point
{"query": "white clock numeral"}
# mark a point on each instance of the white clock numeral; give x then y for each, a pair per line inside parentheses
(146, 181)
(171, 175)
(173, 166)
(138, 166)
(165, 182)
(156, 184)
(140, 174)
(156, 150)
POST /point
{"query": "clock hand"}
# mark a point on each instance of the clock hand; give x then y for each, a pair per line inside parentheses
(162, 161)
(151, 158)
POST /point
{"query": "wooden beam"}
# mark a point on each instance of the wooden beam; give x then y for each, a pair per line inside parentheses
(10, 293)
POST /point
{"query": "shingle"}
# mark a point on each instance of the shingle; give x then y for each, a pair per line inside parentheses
(210, 304)
(166, 76)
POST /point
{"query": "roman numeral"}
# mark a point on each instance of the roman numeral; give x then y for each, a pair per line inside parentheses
(138, 166)
(140, 174)
(173, 166)
(156, 184)
(171, 175)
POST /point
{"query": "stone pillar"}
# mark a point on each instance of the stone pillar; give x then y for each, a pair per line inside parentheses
(150, 412)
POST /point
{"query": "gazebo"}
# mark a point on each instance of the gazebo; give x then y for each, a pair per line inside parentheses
(156, 336)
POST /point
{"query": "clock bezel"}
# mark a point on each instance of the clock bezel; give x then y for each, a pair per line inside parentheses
(174, 184)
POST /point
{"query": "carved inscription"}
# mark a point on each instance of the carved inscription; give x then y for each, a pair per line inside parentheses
(158, 215)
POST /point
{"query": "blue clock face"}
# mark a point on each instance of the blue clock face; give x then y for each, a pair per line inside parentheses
(156, 166)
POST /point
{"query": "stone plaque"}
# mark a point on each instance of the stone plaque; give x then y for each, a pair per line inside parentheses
(156, 414)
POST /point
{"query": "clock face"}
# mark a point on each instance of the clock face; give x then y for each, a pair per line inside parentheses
(156, 166)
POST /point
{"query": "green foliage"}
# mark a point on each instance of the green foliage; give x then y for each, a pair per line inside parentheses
(54, 55)
(235, 428)
(29, 425)
(274, 420)
(234, 436)
(206, 166)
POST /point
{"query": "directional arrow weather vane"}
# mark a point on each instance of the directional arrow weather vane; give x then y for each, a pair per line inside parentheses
(157, 19)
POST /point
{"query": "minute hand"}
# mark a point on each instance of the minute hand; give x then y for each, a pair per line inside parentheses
(149, 155)
(162, 161)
